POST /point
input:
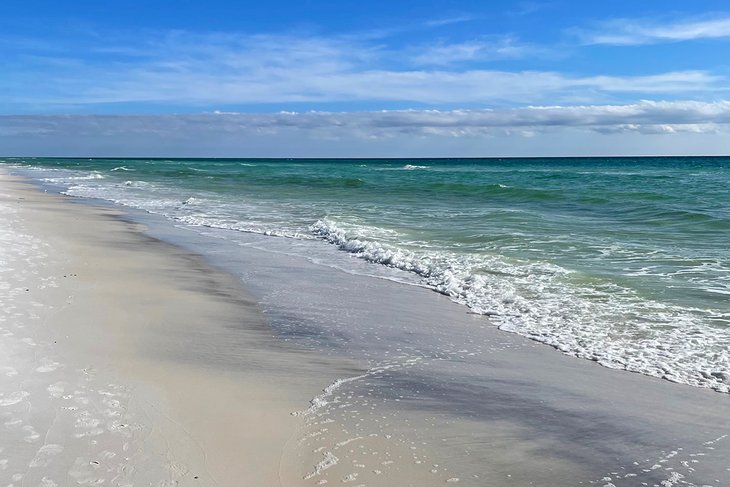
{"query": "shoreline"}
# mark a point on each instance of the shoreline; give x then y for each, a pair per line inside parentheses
(441, 407)
(616, 307)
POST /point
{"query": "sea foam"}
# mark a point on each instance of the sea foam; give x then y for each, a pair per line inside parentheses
(613, 327)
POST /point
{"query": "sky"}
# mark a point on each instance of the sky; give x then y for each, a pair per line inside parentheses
(309, 78)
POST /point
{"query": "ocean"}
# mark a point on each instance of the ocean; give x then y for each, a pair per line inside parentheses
(620, 261)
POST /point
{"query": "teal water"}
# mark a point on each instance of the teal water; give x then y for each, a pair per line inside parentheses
(618, 260)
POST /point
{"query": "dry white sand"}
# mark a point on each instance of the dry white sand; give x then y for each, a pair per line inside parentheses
(125, 361)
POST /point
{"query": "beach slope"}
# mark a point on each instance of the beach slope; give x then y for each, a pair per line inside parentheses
(124, 360)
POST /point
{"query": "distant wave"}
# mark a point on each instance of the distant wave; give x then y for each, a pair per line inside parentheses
(87, 177)
(412, 167)
(137, 184)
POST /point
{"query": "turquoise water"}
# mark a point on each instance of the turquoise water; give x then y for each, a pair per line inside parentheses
(622, 261)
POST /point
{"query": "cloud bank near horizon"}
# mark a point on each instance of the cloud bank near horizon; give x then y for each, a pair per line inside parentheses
(641, 117)
(378, 129)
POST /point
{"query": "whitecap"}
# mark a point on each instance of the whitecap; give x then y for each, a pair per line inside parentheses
(411, 167)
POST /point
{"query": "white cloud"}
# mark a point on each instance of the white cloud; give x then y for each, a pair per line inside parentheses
(644, 117)
(648, 128)
(444, 54)
(636, 32)
(328, 83)
(457, 19)
(183, 69)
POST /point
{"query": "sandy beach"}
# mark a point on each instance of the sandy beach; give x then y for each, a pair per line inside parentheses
(116, 353)
(126, 360)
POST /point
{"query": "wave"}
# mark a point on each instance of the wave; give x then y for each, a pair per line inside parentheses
(93, 175)
(86, 177)
(260, 228)
(412, 167)
(137, 184)
(611, 326)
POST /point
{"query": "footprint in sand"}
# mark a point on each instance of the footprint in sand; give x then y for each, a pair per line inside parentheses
(45, 455)
(48, 366)
(32, 434)
(56, 390)
(9, 371)
(83, 472)
(13, 398)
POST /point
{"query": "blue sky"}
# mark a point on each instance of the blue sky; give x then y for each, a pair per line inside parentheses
(397, 78)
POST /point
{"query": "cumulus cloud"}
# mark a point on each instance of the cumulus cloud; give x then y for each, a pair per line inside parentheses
(636, 32)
